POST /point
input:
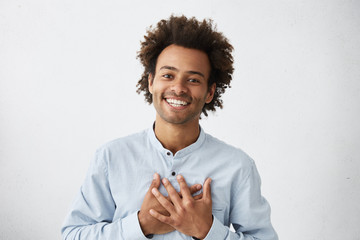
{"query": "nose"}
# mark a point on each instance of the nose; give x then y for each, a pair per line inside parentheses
(179, 86)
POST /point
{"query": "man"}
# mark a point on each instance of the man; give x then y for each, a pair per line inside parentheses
(148, 185)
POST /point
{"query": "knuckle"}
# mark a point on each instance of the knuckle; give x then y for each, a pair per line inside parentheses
(181, 211)
(165, 220)
(176, 222)
(193, 189)
(167, 204)
(188, 203)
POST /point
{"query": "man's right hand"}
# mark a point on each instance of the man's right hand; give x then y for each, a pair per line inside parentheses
(149, 224)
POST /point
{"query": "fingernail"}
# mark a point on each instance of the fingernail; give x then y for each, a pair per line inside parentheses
(198, 187)
(154, 177)
(164, 180)
(179, 177)
(154, 191)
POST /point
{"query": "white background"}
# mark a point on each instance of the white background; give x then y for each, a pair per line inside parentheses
(68, 71)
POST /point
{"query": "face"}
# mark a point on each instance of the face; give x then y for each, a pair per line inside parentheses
(180, 85)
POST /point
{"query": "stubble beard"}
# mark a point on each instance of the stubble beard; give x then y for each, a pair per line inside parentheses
(181, 119)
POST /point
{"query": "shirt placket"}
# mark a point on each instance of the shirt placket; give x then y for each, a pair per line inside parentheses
(173, 171)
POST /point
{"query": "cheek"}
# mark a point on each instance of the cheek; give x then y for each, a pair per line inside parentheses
(157, 93)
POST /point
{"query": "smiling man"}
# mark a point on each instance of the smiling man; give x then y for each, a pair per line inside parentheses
(180, 85)
(174, 181)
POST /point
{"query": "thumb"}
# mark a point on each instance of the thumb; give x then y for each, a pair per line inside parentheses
(156, 182)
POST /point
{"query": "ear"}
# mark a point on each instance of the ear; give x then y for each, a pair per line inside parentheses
(211, 92)
(150, 82)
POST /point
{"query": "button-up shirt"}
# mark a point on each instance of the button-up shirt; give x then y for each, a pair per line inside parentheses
(108, 202)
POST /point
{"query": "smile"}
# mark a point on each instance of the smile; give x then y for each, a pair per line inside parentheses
(175, 102)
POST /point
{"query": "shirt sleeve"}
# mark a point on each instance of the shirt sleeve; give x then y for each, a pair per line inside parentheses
(249, 213)
(91, 215)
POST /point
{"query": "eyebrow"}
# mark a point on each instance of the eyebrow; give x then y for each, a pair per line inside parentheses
(177, 70)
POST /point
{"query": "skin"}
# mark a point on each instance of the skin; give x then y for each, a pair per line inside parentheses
(149, 225)
(187, 215)
(181, 74)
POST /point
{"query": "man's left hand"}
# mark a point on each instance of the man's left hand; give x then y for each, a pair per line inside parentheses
(190, 216)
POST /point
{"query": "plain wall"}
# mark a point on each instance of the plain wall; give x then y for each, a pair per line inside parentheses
(68, 71)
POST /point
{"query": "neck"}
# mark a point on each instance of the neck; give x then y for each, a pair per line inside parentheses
(176, 136)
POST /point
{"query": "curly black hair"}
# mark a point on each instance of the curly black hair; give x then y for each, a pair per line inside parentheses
(189, 33)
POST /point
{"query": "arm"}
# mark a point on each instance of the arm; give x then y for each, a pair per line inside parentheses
(91, 216)
(249, 213)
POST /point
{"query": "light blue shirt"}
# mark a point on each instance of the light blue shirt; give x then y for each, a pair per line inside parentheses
(122, 171)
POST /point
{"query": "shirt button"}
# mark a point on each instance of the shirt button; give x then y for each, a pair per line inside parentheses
(173, 173)
(168, 153)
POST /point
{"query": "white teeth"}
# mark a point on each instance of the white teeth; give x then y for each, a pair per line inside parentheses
(176, 103)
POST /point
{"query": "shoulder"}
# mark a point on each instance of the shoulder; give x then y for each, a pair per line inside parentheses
(119, 150)
(127, 142)
(231, 154)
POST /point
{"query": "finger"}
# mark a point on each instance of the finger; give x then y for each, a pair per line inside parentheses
(173, 194)
(199, 196)
(159, 216)
(184, 189)
(195, 188)
(155, 182)
(163, 201)
(207, 189)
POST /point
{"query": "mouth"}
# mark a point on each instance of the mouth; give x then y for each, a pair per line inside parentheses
(176, 103)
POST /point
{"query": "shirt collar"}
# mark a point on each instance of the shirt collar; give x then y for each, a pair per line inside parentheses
(189, 149)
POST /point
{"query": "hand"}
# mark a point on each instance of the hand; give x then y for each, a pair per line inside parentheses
(190, 216)
(150, 225)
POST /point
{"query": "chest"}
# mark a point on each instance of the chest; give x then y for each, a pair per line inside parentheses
(130, 179)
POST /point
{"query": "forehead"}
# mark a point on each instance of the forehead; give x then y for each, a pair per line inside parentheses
(184, 59)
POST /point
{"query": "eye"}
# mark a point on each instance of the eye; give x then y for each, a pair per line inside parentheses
(167, 76)
(194, 80)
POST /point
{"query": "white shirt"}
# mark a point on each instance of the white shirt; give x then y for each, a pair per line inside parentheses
(121, 173)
